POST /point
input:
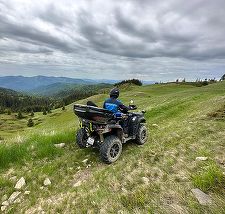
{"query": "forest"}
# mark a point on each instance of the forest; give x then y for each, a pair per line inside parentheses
(12, 101)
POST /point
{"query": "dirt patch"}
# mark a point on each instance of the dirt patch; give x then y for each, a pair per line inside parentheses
(82, 176)
(218, 114)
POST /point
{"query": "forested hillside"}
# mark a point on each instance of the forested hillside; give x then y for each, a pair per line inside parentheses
(14, 101)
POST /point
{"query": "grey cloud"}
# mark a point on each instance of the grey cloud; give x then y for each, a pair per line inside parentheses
(120, 34)
(28, 33)
(172, 36)
(53, 15)
(165, 35)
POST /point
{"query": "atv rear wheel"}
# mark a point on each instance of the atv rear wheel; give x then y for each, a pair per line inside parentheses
(111, 149)
(142, 135)
(81, 138)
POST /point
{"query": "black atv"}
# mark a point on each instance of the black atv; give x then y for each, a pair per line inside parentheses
(106, 131)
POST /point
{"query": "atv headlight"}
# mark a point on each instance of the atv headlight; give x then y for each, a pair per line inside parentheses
(134, 118)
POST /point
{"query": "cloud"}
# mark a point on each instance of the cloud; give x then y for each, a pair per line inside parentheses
(103, 35)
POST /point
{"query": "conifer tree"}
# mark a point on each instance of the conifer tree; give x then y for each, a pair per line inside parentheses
(30, 123)
(19, 116)
(32, 113)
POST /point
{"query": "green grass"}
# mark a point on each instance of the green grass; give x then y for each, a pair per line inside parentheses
(35, 147)
(184, 131)
(209, 178)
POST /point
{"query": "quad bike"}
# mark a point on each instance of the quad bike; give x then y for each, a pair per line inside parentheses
(107, 131)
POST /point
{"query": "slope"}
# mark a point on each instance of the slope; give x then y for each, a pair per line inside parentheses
(157, 177)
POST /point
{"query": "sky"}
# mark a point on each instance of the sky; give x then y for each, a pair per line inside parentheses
(114, 39)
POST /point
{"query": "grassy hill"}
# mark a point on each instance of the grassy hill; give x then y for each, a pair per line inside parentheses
(184, 122)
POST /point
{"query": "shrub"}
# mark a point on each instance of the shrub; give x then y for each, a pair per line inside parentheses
(44, 112)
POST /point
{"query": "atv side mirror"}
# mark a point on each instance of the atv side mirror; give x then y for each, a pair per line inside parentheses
(132, 106)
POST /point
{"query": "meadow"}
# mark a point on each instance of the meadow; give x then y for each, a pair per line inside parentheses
(184, 122)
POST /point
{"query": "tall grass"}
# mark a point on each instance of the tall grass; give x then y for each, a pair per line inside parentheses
(211, 177)
(35, 147)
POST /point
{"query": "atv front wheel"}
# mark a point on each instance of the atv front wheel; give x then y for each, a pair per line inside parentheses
(81, 138)
(111, 149)
(142, 135)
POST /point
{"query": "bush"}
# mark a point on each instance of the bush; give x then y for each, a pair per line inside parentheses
(210, 178)
(44, 112)
(30, 123)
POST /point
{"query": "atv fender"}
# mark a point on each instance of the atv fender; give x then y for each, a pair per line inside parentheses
(117, 130)
(135, 123)
(141, 120)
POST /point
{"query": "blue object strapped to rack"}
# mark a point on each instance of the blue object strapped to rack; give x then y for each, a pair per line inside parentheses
(118, 115)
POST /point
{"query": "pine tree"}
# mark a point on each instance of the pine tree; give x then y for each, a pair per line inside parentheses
(30, 123)
(223, 77)
(32, 113)
(44, 112)
(49, 110)
(19, 116)
(205, 82)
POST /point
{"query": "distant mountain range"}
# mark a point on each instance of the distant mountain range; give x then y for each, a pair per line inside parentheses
(26, 84)
(45, 85)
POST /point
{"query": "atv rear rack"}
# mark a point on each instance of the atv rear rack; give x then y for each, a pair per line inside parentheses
(95, 114)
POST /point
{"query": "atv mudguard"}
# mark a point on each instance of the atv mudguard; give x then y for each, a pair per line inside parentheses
(134, 125)
(117, 130)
